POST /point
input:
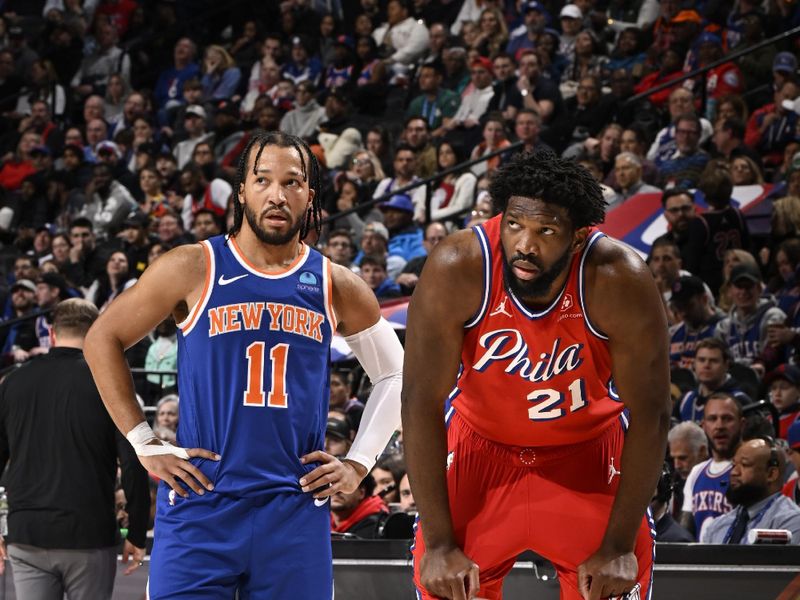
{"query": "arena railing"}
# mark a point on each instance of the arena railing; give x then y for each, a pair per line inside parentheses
(427, 182)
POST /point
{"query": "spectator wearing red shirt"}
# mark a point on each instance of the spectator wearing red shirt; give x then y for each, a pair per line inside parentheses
(17, 166)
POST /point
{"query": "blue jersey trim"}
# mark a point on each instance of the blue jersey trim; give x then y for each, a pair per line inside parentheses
(487, 276)
(582, 285)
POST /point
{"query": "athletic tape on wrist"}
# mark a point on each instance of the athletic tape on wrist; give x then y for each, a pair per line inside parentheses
(140, 438)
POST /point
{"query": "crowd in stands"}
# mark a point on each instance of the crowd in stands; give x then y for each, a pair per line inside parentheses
(122, 123)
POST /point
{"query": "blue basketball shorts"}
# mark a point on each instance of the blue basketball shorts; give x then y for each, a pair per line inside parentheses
(274, 546)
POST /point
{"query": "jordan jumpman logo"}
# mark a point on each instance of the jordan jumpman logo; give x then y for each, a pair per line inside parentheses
(612, 470)
(501, 308)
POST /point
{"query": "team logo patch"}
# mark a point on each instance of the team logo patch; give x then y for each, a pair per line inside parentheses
(501, 308)
(171, 497)
(308, 278)
(567, 302)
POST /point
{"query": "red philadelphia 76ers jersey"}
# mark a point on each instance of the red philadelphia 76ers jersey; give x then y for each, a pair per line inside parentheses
(534, 378)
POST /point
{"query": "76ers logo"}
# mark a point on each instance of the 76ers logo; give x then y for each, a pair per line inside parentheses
(567, 302)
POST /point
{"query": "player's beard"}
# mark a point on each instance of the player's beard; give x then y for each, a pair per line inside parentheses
(272, 238)
(541, 284)
(746, 494)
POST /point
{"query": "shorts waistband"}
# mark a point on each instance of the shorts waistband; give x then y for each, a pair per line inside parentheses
(532, 456)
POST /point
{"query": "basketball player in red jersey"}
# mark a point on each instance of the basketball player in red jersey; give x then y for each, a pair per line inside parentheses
(556, 338)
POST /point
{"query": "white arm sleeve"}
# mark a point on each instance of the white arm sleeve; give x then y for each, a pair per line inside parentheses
(381, 354)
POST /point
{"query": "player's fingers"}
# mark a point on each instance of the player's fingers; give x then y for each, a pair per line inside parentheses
(458, 588)
(133, 566)
(195, 473)
(172, 482)
(474, 581)
(317, 456)
(316, 478)
(584, 582)
(202, 453)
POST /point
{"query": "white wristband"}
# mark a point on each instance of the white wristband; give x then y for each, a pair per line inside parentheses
(141, 437)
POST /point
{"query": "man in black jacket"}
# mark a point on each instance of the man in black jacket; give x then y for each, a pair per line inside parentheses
(62, 528)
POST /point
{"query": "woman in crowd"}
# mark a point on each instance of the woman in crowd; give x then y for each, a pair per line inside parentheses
(744, 171)
(44, 86)
(112, 282)
(456, 191)
(220, 74)
(167, 412)
(155, 201)
(366, 171)
(492, 34)
(587, 59)
(627, 53)
(60, 247)
(380, 144)
(732, 258)
(350, 196)
(116, 92)
(785, 284)
(495, 138)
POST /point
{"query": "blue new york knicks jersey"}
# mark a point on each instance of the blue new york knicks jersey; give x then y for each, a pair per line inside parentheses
(253, 360)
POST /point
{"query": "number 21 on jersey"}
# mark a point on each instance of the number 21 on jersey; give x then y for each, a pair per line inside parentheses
(254, 394)
(548, 400)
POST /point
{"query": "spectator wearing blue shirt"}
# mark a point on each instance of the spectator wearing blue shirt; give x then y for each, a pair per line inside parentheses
(169, 87)
(373, 272)
(405, 238)
(221, 76)
(301, 67)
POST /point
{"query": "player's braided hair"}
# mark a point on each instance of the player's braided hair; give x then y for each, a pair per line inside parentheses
(260, 139)
(545, 176)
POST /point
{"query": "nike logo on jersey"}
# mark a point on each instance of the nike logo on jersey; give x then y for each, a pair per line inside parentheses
(322, 502)
(223, 281)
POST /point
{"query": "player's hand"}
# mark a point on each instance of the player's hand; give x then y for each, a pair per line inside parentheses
(172, 470)
(134, 552)
(449, 573)
(606, 574)
(338, 475)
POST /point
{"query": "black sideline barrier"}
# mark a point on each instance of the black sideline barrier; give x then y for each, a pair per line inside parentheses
(381, 570)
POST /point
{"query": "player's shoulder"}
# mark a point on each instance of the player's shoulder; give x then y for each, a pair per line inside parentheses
(184, 266)
(613, 259)
(459, 250)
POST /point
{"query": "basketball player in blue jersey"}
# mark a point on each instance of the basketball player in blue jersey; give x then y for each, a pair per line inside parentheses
(244, 500)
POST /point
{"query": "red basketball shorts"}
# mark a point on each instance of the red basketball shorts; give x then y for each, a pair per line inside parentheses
(554, 501)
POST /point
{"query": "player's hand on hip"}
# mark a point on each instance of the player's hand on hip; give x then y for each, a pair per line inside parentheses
(605, 574)
(449, 573)
(173, 470)
(129, 551)
(333, 475)
(3, 555)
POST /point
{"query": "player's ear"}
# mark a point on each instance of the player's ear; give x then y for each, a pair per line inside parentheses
(579, 238)
(311, 193)
(241, 193)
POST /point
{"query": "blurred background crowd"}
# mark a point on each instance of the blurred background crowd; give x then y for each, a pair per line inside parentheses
(122, 122)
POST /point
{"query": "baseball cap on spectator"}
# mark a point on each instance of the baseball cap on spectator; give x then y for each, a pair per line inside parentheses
(196, 110)
(24, 283)
(41, 149)
(687, 16)
(533, 5)
(793, 435)
(745, 271)
(54, 280)
(299, 40)
(135, 222)
(228, 107)
(15, 32)
(344, 40)
(398, 202)
(482, 62)
(378, 229)
(570, 11)
(790, 373)
(685, 288)
(338, 428)
(709, 38)
(785, 62)
(108, 147)
(48, 227)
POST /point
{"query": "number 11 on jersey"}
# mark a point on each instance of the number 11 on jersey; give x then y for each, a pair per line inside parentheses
(254, 394)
